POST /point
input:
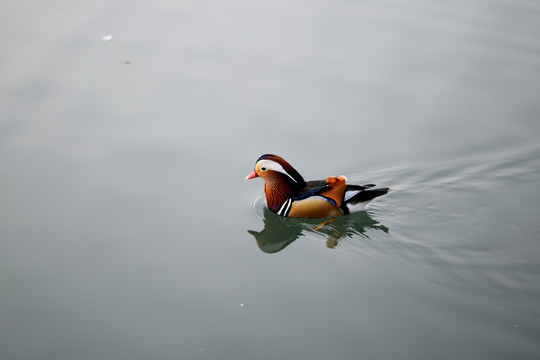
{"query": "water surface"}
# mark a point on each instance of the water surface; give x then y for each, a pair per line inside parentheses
(128, 231)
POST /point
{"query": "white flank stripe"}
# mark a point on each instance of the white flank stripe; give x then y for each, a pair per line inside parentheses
(284, 209)
(288, 208)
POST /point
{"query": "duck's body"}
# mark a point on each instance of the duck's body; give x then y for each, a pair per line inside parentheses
(289, 195)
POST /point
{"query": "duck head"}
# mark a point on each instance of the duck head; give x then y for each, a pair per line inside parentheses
(280, 178)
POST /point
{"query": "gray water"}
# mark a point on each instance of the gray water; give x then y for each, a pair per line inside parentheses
(127, 230)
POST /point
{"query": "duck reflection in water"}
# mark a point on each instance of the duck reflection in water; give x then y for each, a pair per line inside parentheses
(280, 232)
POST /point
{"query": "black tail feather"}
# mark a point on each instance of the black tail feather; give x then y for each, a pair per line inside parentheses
(367, 195)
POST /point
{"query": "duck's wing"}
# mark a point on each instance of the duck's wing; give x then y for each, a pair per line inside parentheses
(313, 187)
(333, 189)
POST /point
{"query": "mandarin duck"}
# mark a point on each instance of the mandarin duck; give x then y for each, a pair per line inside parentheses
(289, 195)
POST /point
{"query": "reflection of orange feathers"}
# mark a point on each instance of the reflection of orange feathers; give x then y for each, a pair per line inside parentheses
(336, 189)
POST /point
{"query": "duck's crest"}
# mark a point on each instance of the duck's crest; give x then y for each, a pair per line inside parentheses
(286, 166)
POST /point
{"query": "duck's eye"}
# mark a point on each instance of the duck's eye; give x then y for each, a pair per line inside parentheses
(263, 169)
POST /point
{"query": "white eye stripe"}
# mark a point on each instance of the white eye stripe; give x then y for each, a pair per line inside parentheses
(272, 165)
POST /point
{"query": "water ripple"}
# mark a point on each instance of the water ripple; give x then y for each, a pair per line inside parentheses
(428, 219)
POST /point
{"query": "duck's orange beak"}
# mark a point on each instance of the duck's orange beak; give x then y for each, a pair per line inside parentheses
(252, 175)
